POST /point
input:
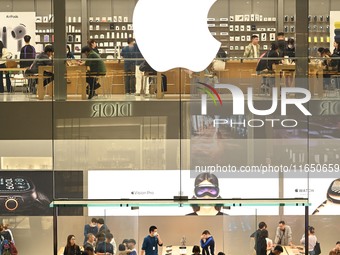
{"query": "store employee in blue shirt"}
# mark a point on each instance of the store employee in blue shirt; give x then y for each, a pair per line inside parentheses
(151, 242)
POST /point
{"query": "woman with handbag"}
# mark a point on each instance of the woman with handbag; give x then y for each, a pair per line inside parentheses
(311, 240)
(4, 54)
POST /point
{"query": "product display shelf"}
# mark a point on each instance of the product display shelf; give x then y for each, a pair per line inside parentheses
(318, 33)
(45, 35)
(235, 32)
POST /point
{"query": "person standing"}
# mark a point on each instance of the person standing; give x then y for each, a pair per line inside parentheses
(131, 246)
(27, 53)
(105, 248)
(256, 234)
(128, 53)
(281, 42)
(4, 55)
(90, 242)
(283, 234)
(253, 48)
(311, 240)
(151, 242)
(96, 68)
(71, 247)
(90, 228)
(139, 73)
(207, 243)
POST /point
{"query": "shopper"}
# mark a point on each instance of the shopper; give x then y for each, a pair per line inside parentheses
(71, 247)
(105, 248)
(7, 229)
(90, 241)
(131, 246)
(207, 243)
(27, 53)
(311, 240)
(93, 45)
(88, 251)
(206, 187)
(277, 250)
(263, 243)
(69, 53)
(4, 55)
(138, 73)
(90, 228)
(283, 234)
(151, 242)
(290, 50)
(256, 234)
(96, 68)
(128, 53)
(196, 250)
(281, 42)
(253, 48)
(336, 249)
(43, 59)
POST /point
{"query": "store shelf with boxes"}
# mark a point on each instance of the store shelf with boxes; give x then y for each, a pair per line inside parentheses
(111, 33)
(45, 33)
(319, 32)
(235, 32)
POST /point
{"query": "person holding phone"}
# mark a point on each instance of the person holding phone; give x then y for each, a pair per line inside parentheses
(151, 242)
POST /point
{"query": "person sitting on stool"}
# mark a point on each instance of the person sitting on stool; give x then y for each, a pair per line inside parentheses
(96, 68)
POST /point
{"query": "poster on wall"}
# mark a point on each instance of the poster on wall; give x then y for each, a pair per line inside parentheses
(29, 193)
(157, 184)
(323, 194)
(14, 26)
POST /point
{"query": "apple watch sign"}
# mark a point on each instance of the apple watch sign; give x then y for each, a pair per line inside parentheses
(174, 33)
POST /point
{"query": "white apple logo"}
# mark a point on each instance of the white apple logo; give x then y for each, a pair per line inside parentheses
(174, 33)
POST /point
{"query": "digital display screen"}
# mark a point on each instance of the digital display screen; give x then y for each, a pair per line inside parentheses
(14, 184)
(156, 184)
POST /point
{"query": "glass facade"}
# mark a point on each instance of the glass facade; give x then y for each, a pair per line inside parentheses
(222, 149)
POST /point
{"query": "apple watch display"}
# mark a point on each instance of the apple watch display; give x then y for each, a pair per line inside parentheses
(18, 194)
(331, 206)
(29, 193)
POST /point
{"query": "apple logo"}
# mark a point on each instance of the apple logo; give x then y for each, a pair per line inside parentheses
(174, 33)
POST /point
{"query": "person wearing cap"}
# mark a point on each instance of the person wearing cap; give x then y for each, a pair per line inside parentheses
(336, 249)
(96, 68)
(131, 246)
(151, 242)
(277, 250)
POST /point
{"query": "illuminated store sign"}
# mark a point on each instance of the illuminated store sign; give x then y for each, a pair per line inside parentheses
(109, 110)
(162, 35)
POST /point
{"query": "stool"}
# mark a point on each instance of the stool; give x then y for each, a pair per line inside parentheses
(148, 87)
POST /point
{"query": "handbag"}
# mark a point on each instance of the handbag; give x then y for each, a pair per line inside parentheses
(317, 248)
(218, 65)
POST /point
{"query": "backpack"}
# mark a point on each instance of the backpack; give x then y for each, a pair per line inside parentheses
(8, 248)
